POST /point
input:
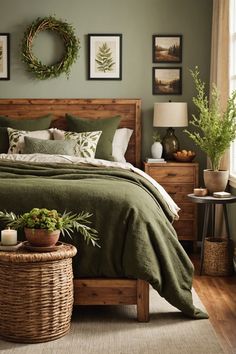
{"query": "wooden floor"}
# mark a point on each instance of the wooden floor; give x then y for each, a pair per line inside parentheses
(218, 294)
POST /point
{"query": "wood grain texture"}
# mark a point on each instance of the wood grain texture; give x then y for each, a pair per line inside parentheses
(218, 296)
(128, 109)
(114, 292)
(179, 179)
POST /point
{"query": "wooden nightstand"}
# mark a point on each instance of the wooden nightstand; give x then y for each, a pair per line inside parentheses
(179, 179)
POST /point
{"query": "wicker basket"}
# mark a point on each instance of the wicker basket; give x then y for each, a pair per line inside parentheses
(36, 295)
(218, 258)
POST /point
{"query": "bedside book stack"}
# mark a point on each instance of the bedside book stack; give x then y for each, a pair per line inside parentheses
(152, 160)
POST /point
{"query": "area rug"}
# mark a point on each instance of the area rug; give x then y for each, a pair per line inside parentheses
(114, 330)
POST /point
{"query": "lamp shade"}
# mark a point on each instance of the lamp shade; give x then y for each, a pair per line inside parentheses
(170, 114)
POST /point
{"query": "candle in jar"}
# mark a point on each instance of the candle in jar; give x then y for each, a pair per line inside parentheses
(8, 237)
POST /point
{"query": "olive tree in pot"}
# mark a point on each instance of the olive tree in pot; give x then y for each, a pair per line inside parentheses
(215, 131)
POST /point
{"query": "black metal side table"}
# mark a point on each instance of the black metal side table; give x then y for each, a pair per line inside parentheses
(209, 203)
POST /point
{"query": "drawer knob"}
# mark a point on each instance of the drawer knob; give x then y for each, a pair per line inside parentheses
(171, 174)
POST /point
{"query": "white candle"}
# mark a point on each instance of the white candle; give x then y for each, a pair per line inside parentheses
(8, 237)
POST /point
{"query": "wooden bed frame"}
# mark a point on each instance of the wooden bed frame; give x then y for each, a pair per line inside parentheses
(94, 291)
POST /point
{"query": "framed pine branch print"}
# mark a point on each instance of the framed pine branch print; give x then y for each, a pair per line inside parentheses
(104, 56)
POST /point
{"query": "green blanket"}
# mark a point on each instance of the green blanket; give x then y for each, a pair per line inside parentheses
(133, 221)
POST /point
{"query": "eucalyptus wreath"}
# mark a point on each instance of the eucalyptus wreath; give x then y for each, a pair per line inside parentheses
(70, 41)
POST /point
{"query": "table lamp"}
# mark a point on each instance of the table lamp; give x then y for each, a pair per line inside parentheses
(170, 114)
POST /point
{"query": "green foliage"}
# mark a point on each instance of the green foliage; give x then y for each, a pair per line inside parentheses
(104, 58)
(216, 130)
(51, 220)
(70, 41)
(156, 137)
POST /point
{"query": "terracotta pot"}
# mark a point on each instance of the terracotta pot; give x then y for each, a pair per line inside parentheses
(41, 237)
(215, 181)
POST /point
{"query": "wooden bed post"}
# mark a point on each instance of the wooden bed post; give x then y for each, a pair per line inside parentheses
(142, 301)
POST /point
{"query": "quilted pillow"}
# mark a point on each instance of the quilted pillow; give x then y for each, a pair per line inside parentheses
(52, 147)
(86, 143)
(16, 138)
(108, 127)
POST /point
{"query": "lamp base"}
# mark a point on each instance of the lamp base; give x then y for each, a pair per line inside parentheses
(170, 144)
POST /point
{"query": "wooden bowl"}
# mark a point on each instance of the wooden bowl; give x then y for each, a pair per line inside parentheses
(184, 158)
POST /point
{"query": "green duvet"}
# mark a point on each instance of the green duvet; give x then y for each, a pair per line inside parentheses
(133, 221)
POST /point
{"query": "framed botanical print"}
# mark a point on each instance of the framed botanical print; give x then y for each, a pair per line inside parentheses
(167, 81)
(167, 48)
(104, 56)
(4, 56)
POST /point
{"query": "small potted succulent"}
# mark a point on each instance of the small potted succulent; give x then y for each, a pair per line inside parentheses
(42, 227)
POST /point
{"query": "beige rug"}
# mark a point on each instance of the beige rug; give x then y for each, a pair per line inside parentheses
(114, 330)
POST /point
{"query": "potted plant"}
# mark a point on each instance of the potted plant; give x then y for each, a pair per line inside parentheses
(42, 227)
(156, 148)
(215, 131)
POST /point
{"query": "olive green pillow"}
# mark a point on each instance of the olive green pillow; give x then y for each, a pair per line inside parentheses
(4, 140)
(24, 124)
(108, 127)
(52, 147)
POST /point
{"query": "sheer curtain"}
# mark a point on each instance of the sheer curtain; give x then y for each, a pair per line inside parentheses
(219, 75)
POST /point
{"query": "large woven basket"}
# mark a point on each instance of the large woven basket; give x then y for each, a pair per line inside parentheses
(36, 295)
(218, 257)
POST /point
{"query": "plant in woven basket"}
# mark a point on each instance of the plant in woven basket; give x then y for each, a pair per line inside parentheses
(70, 41)
(51, 221)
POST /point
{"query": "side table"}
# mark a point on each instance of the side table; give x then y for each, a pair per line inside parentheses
(210, 202)
(36, 294)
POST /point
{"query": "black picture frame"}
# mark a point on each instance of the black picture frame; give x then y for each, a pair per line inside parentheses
(167, 80)
(4, 56)
(104, 56)
(167, 48)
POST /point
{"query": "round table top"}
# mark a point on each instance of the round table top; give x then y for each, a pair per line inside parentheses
(209, 199)
(23, 255)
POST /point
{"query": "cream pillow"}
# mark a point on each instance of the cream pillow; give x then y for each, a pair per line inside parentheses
(17, 142)
(120, 143)
(86, 141)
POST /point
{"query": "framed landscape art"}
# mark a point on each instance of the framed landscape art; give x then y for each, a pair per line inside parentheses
(4, 56)
(167, 48)
(166, 81)
(104, 56)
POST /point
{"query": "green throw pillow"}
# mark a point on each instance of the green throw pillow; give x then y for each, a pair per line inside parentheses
(108, 127)
(24, 124)
(27, 124)
(52, 147)
(4, 140)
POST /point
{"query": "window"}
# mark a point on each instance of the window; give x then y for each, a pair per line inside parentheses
(233, 80)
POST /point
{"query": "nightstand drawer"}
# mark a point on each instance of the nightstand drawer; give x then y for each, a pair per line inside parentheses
(185, 229)
(187, 211)
(172, 174)
(179, 191)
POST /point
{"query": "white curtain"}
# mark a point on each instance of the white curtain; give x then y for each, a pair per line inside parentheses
(219, 74)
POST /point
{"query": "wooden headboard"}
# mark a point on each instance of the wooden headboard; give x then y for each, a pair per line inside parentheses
(128, 109)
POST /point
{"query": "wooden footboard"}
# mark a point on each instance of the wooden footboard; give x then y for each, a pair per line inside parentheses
(114, 292)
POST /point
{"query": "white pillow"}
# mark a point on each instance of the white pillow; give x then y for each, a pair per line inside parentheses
(16, 138)
(120, 143)
(86, 141)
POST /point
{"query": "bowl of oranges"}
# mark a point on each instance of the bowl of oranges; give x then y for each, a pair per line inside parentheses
(184, 155)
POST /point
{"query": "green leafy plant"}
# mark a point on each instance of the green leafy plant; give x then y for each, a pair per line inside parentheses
(52, 220)
(69, 39)
(216, 129)
(104, 58)
(156, 137)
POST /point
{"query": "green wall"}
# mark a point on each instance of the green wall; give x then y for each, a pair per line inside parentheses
(137, 20)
